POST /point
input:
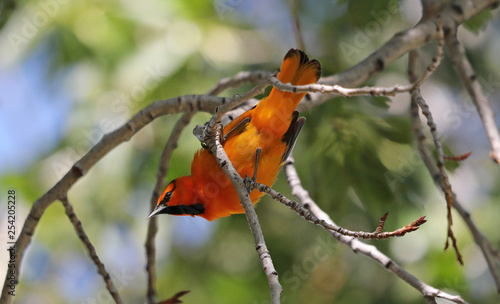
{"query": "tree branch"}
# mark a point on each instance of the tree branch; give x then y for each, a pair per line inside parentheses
(468, 76)
(452, 13)
(207, 131)
(91, 250)
(490, 254)
(429, 292)
(448, 192)
(297, 31)
(251, 185)
(416, 98)
(373, 91)
(237, 80)
(163, 166)
(253, 221)
(237, 111)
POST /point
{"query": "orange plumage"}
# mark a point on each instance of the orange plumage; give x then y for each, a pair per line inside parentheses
(272, 125)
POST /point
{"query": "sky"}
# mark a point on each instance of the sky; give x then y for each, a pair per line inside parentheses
(33, 110)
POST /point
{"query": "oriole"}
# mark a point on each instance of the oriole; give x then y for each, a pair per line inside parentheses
(273, 125)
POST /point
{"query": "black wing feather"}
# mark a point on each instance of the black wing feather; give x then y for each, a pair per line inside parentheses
(292, 133)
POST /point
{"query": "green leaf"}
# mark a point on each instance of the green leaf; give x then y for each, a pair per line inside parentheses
(476, 23)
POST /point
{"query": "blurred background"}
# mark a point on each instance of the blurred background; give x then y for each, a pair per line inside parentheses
(71, 71)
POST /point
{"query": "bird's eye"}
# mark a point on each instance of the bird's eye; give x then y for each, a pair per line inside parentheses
(166, 197)
(168, 192)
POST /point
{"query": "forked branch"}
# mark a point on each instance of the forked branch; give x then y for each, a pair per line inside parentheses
(251, 185)
(417, 99)
(430, 293)
(490, 254)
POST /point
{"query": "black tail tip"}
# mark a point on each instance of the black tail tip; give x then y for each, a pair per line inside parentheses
(304, 59)
(296, 52)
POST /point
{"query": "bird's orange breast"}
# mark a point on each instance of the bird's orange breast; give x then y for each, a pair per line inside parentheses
(213, 184)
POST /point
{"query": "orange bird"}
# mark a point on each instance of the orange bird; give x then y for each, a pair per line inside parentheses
(273, 125)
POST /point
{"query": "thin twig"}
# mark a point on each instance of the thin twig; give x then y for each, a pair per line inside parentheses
(237, 80)
(487, 249)
(416, 124)
(253, 221)
(308, 216)
(448, 192)
(175, 299)
(457, 158)
(91, 250)
(357, 246)
(338, 90)
(363, 91)
(436, 60)
(468, 76)
(297, 32)
(163, 166)
(430, 8)
(417, 98)
(237, 111)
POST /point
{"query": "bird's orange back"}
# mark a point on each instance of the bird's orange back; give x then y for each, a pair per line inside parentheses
(271, 126)
(275, 111)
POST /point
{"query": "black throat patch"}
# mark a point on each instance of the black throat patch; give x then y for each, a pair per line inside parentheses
(195, 209)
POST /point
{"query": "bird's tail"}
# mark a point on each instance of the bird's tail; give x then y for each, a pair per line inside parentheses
(276, 110)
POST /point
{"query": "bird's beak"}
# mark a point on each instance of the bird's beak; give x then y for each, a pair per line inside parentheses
(157, 210)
